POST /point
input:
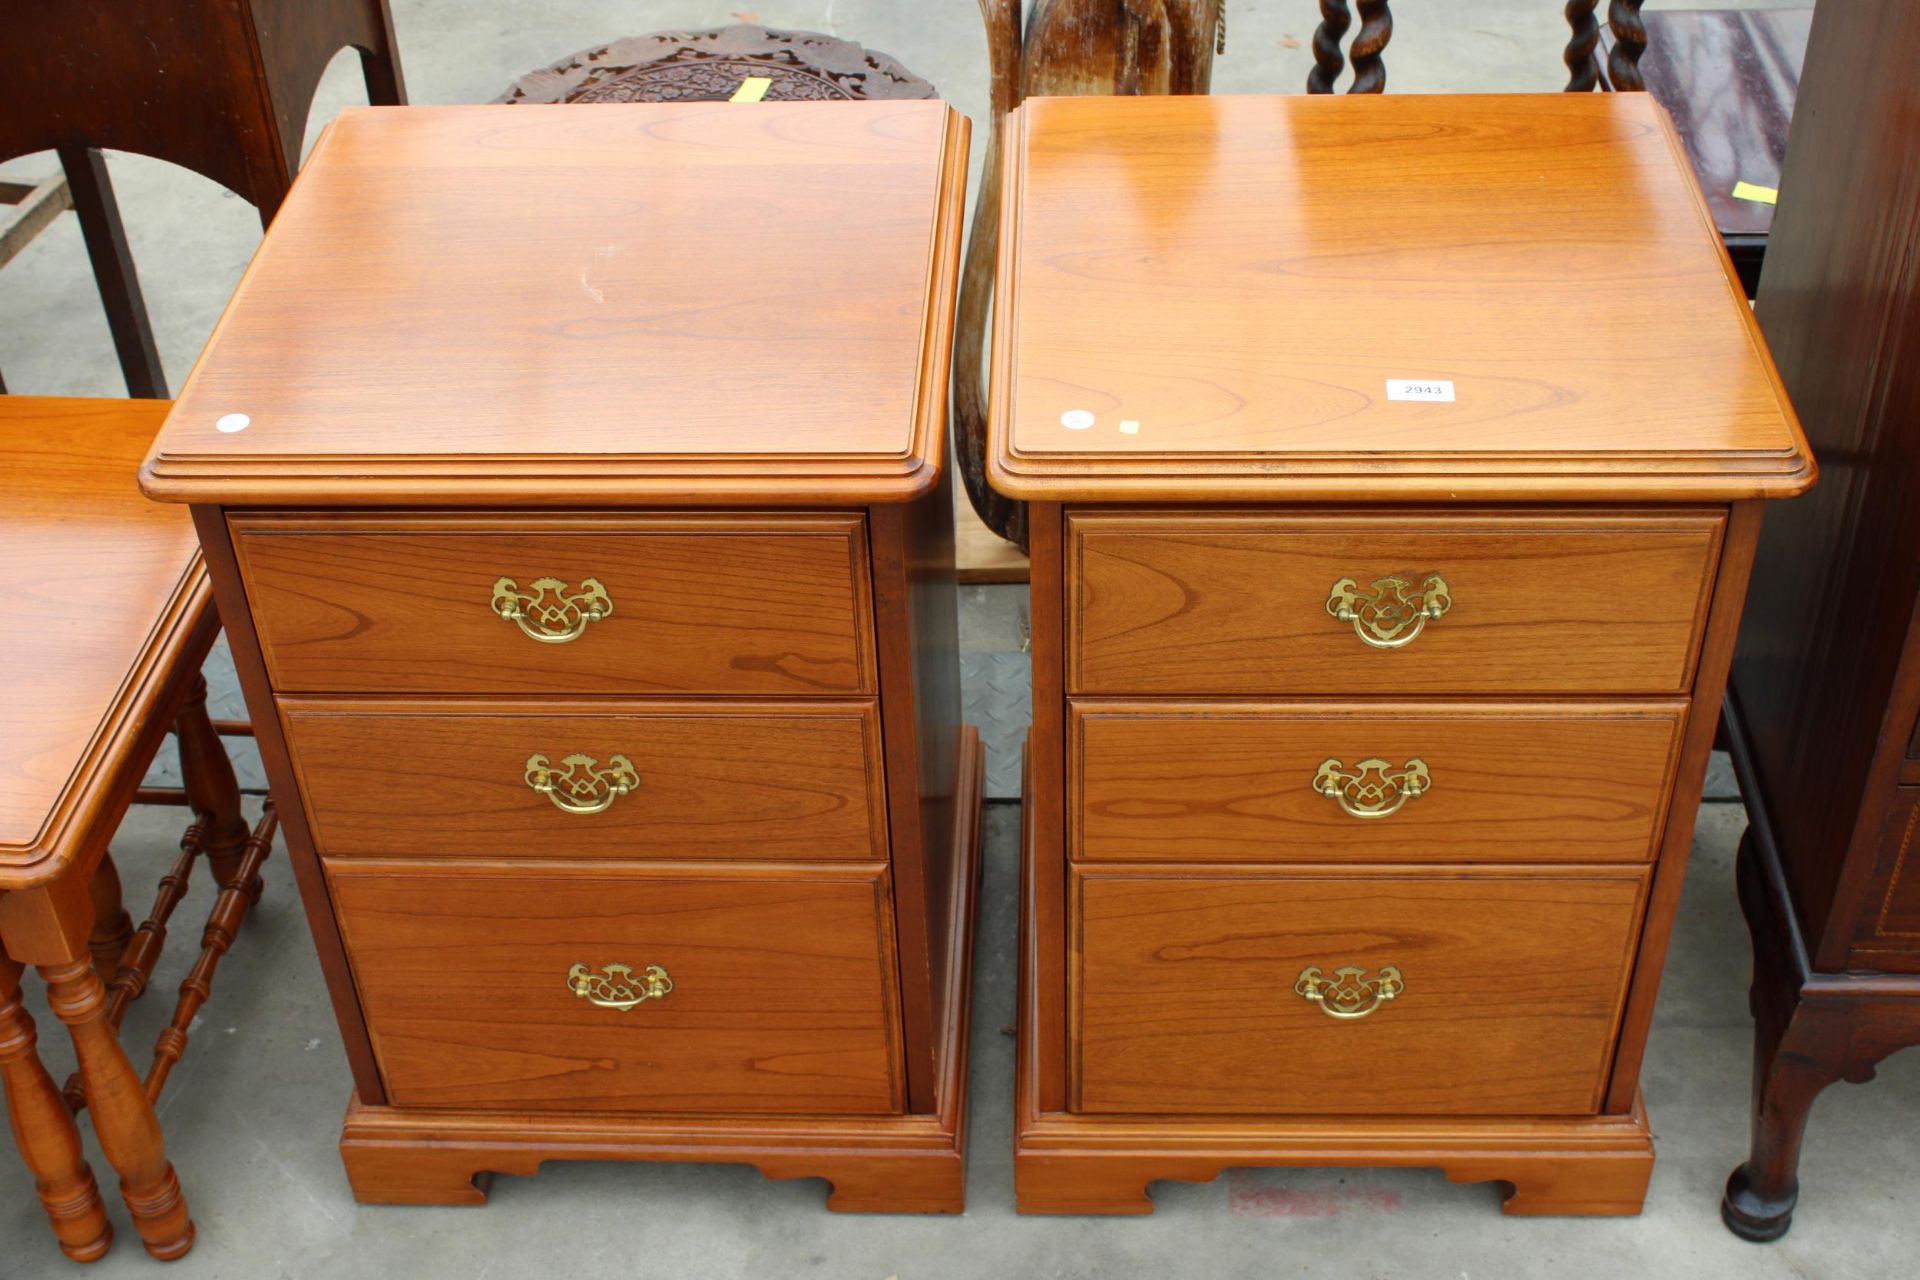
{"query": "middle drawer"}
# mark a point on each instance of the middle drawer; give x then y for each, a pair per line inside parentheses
(1412, 782)
(625, 780)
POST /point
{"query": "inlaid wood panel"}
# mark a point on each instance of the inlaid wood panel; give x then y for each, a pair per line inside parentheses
(783, 996)
(731, 604)
(707, 779)
(1184, 992)
(1197, 602)
(1887, 936)
(1290, 782)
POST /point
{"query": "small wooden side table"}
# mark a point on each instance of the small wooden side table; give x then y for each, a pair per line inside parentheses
(1387, 557)
(112, 615)
(587, 556)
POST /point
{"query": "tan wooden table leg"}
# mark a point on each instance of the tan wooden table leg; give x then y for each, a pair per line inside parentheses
(214, 794)
(123, 1117)
(112, 926)
(48, 1139)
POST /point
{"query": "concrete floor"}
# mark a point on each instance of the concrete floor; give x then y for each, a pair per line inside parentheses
(253, 1113)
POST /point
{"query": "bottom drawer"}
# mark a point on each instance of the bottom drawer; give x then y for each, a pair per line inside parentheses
(1441, 993)
(782, 1001)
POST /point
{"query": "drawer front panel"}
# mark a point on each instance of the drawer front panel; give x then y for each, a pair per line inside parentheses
(1242, 603)
(782, 995)
(658, 780)
(1188, 994)
(748, 605)
(1326, 782)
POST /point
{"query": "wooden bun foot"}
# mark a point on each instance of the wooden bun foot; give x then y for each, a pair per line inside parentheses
(1752, 1217)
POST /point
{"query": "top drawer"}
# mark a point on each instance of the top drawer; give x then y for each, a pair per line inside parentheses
(1357, 604)
(719, 604)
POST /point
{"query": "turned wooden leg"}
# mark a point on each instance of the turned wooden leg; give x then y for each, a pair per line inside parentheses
(123, 1118)
(212, 790)
(112, 926)
(45, 1133)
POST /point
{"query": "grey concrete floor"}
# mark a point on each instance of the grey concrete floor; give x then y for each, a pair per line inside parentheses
(253, 1112)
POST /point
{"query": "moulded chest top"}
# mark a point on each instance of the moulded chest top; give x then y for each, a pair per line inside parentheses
(707, 302)
(1372, 298)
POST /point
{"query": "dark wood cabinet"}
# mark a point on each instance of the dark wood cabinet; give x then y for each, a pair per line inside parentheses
(1825, 691)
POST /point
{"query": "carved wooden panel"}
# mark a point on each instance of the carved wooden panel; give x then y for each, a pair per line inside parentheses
(707, 66)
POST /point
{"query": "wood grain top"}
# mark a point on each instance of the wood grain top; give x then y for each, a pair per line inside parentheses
(554, 304)
(104, 589)
(1207, 298)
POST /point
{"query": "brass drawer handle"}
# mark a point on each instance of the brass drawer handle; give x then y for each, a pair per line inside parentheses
(1391, 614)
(1372, 788)
(548, 611)
(1348, 993)
(617, 987)
(580, 785)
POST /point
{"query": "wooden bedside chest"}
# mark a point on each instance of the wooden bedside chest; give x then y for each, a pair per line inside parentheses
(1395, 465)
(571, 482)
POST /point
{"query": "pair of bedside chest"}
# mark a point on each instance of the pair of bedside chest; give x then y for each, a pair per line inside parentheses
(572, 481)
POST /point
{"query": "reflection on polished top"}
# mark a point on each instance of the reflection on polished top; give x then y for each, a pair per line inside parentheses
(1372, 298)
(564, 303)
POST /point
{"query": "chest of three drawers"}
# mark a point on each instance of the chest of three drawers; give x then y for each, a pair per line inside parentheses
(1391, 513)
(598, 617)
(1362, 816)
(602, 810)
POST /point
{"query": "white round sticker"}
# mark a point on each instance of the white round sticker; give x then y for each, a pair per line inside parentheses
(1077, 419)
(233, 422)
